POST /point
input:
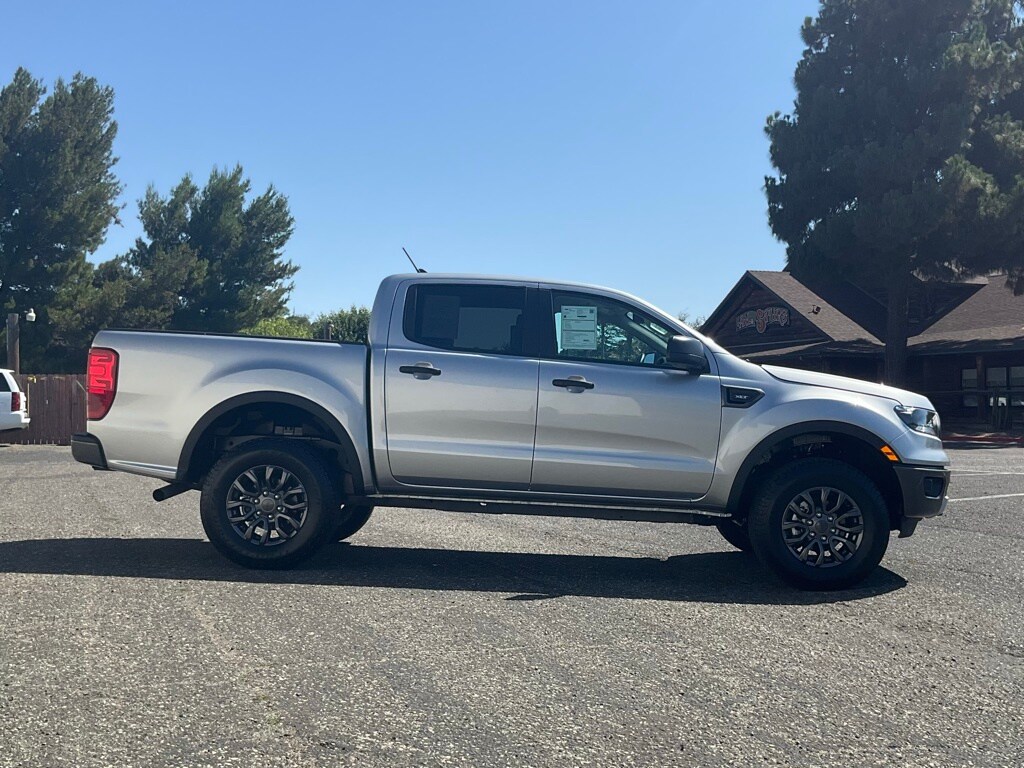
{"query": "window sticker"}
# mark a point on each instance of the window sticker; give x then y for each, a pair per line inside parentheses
(579, 328)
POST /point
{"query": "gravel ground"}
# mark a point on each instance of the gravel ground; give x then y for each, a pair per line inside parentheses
(445, 639)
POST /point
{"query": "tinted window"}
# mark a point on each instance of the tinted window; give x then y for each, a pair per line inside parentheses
(589, 327)
(467, 318)
(4, 385)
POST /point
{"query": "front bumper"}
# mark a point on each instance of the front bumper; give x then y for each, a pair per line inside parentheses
(87, 449)
(925, 492)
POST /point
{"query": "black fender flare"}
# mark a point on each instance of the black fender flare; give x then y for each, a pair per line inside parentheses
(739, 483)
(284, 398)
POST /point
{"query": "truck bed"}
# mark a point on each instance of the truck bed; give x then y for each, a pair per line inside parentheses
(168, 381)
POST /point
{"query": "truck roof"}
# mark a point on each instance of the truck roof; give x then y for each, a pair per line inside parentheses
(462, 276)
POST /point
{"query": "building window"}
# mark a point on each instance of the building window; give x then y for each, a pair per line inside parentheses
(996, 377)
(1017, 376)
(969, 378)
(970, 401)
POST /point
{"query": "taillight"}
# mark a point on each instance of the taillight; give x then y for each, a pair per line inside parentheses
(101, 381)
(15, 401)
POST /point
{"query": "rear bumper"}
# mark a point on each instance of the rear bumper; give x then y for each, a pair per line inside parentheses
(87, 449)
(16, 420)
(925, 493)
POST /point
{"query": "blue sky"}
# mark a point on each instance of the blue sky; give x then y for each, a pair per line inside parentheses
(617, 143)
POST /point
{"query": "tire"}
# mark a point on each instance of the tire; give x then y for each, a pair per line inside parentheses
(352, 519)
(736, 533)
(789, 524)
(245, 517)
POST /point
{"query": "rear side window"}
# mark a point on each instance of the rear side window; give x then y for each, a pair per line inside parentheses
(5, 385)
(467, 318)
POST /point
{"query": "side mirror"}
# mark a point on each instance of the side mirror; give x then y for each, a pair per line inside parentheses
(687, 354)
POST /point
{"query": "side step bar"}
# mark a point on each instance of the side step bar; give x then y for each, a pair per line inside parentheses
(553, 508)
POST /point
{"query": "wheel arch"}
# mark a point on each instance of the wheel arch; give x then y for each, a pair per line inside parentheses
(858, 446)
(188, 461)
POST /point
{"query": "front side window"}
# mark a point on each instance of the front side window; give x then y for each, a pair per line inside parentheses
(596, 328)
(467, 318)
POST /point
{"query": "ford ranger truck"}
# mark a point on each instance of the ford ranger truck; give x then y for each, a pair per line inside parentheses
(512, 396)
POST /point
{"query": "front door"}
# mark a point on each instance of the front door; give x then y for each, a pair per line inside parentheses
(460, 396)
(613, 419)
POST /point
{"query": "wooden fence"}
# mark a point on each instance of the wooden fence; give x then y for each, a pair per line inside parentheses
(56, 405)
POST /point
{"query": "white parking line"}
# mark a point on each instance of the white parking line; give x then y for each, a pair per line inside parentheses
(980, 472)
(996, 496)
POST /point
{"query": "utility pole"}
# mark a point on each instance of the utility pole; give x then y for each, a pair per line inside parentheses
(13, 342)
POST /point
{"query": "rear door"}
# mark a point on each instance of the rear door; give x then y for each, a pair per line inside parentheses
(613, 419)
(460, 393)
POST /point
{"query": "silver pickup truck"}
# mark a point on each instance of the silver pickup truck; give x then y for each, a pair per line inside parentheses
(512, 396)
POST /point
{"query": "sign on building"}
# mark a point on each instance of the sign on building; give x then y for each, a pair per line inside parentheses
(762, 318)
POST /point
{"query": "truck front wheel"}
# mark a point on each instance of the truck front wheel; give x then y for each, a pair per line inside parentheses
(819, 524)
(352, 519)
(270, 505)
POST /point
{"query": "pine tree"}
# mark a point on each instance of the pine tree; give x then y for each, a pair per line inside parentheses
(238, 245)
(58, 196)
(904, 153)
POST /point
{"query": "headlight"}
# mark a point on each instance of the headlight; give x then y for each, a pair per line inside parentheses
(919, 419)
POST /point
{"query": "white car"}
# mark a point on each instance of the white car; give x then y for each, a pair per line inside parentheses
(13, 403)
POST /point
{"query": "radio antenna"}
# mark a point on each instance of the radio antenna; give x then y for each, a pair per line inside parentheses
(421, 271)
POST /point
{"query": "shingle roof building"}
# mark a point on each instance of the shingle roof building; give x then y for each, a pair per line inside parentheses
(966, 340)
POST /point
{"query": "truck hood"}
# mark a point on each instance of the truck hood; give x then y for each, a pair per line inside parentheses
(811, 378)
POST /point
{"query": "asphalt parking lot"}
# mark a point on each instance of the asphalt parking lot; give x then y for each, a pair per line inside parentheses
(445, 639)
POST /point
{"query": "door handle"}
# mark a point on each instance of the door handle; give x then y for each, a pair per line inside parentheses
(420, 370)
(574, 383)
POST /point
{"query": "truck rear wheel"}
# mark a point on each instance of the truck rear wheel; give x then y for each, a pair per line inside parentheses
(819, 524)
(270, 505)
(352, 519)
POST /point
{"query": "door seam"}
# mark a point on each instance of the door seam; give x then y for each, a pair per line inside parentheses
(536, 422)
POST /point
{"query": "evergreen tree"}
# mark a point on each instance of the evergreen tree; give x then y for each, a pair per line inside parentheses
(238, 246)
(140, 289)
(904, 153)
(208, 261)
(58, 196)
